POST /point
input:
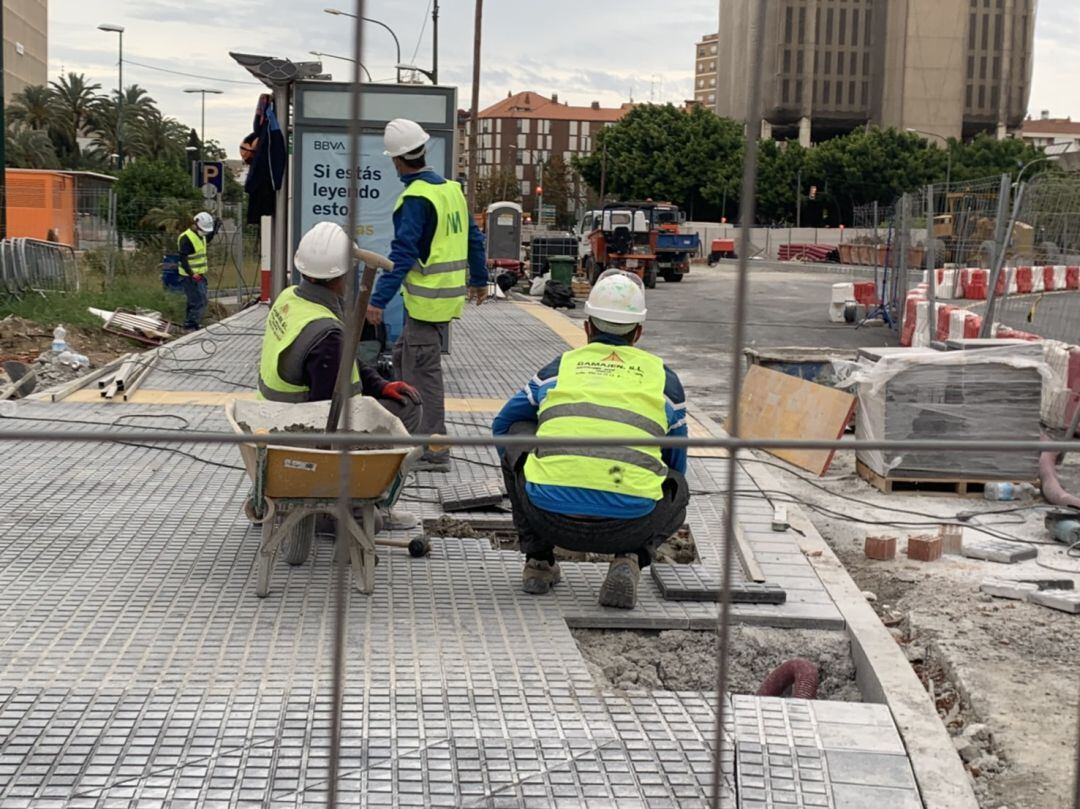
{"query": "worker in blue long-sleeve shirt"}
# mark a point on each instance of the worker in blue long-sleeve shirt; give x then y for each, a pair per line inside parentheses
(622, 500)
(438, 256)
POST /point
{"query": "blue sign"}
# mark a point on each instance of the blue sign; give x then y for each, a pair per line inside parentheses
(210, 172)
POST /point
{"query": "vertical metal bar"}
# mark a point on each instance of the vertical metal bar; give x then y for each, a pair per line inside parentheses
(279, 265)
(931, 269)
(1002, 237)
(344, 381)
(474, 109)
(1076, 770)
(746, 222)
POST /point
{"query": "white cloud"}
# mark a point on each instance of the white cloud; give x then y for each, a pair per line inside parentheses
(585, 52)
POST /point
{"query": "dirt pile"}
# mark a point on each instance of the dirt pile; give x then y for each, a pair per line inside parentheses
(679, 660)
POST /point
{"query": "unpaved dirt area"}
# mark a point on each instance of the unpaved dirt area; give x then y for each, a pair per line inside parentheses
(679, 660)
(1003, 674)
(25, 340)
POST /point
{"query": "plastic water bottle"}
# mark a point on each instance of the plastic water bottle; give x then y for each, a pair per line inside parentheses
(59, 340)
(73, 359)
(1009, 491)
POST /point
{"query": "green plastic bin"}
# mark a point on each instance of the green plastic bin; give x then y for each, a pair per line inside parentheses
(562, 268)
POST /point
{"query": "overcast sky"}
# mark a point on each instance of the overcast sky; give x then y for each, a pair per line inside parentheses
(607, 51)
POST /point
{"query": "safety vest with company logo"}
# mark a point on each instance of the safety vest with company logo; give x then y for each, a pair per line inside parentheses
(603, 391)
(197, 260)
(434, 290)
(288, 317)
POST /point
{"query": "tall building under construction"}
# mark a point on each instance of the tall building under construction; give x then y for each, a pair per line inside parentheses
(949, 68)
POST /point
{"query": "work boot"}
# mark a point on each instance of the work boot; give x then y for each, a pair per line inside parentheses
(620, 586)
(539, 576)
(432, 462)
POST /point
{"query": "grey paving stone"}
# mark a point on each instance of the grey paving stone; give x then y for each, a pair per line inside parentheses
(472, 495)
(997, 550)
(1064, 600)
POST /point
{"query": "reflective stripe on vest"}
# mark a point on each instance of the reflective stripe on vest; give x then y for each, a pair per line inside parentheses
(197, 260)
(434, 290)
(287, 319)
(604, 391)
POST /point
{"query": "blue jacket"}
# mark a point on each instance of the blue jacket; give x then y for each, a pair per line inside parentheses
(414, 228)
(525, 406)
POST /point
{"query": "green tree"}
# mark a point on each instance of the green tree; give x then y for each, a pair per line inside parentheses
(28, 148)
(144, 185)
(500, 186)
(558, 190)
(778, 181)
(32, 106)
(74, 104)
(986, 156)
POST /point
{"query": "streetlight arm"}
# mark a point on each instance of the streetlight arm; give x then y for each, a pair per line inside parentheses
(397, 44)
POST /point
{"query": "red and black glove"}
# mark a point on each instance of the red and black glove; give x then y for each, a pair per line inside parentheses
(399, 392)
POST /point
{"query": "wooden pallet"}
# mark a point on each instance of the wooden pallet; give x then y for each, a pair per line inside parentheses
(926, 484)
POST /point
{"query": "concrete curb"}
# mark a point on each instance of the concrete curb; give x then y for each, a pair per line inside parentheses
(885, 676)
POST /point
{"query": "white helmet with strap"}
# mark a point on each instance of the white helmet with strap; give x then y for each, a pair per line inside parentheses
(617, 297)
(404, 138)
(204, 222)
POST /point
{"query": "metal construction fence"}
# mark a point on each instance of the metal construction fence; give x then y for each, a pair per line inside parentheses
(967, 215)
(30, 265)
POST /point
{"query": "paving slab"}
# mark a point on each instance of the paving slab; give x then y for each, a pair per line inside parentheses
(997, 550)
(138, 668)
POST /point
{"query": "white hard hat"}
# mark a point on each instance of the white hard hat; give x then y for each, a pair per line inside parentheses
(403, 137)
(204, 221)
(325, 252)
(617, 297)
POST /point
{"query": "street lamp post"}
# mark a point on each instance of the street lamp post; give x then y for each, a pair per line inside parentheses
(431, 74)
(119, 30)
(343, 59)
(202, 131)
(397, 44)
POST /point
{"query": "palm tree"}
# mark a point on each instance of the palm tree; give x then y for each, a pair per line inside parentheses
(74, 101)
(171, 217)
(157, 138)
(29, 148)
(138, 107)
(32, 106)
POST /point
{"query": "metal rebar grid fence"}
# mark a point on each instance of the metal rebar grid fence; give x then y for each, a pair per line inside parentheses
(1042, 298)
(30, 265)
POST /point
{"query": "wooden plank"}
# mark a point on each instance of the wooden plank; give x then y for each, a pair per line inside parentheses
(775, 405)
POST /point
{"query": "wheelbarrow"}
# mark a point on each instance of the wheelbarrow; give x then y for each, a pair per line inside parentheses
(292, 485)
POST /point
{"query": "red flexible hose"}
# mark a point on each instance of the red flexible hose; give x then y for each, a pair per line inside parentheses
(798, 674)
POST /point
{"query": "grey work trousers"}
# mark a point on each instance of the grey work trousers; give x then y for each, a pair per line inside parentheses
(418, 361)
(408, 412)
(540, 531)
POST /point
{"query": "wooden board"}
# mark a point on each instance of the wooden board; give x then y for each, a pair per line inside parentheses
(927, 483)
(775, 405)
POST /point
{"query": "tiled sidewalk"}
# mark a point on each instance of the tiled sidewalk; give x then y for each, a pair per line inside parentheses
(138, 668)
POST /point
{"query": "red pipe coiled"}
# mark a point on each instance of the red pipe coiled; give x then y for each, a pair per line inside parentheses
(798, 674)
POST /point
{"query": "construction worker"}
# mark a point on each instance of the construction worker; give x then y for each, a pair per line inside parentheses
(438, 257)
(305, 334)
(193, 266)
(619, 500)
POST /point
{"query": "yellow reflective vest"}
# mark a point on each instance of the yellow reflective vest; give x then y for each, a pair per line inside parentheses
(197, 260)
(434, 290)
(288, 317)
(603, 391)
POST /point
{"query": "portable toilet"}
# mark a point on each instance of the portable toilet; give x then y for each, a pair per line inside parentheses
(504, 230)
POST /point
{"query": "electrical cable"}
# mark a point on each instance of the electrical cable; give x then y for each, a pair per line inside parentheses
(192, 75)
(423, 30)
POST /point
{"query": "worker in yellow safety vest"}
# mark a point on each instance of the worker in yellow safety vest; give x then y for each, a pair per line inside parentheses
(305, 333)
(621, 500)
(438, 257)
(191, 247)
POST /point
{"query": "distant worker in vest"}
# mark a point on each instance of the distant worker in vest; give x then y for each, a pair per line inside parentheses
(305, 332)
(438, 256)
(621, 500)
(193, 266)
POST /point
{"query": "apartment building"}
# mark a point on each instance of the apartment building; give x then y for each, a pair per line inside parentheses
(26, 44)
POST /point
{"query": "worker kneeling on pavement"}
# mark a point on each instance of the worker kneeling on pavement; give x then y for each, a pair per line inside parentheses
(620, 500)
(305, 333)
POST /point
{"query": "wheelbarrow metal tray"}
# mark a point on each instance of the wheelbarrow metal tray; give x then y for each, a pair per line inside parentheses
(300, 472)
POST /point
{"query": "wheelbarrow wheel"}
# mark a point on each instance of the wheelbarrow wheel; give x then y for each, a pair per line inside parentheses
(297, 545)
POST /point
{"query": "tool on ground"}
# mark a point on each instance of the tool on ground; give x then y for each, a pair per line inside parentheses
(780, 519)
(417, 547)
(23, 380)
(372, 262)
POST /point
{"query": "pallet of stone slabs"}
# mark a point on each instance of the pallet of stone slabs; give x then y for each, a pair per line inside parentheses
(927, 483)
(471, 496)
